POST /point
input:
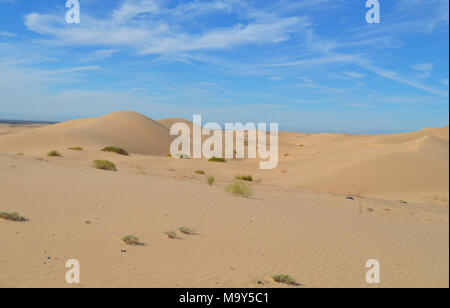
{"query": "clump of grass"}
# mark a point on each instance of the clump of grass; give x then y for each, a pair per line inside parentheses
(187, 230)
(116, 150)
(13, 216)
(77, 149)
(54, 154)
(247, 178)
(301, 145)
(286, 279)
(217, 160)
(287, 154)
(171, 234)
(181, 156)
(239, 188)
(131, 240)
(104, 165)
(169, 155)
(200, 172)
(211, 180)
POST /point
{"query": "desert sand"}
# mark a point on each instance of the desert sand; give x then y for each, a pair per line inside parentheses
(299, 221)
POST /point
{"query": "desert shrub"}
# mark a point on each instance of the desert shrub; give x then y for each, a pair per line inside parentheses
(116, 150)
(171, 234)
(239, 188)
(13, 216)
(200, 172)
(54, 154)
(211, 180)
(217, 160)
(186, 230)
(75, 149)
(104, 165)
(131, 240)
(247, 178)
(286, 279)
(181, 156)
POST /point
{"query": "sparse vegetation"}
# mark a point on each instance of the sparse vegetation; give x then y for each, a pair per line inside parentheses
(116, 150)
(287, 154)
(131, 240)
(13, 216)
(286, 279)
(181, 156)
(104, 165)
(171, 234)
(239, 188)
(186, 230)
(217, 160)
(77, 149)
(201, 172)
(301, 145)
(247, 178)
(54, 154)
(211, 180)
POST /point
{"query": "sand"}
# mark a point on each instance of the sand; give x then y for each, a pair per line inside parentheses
(298, 222)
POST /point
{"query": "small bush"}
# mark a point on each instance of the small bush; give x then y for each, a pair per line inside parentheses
(286, 279)
(239, 188)
(104, 165)
(217, 160)
(186, 230)
(131, 240)
(54, 154)
(13, 216)
(247, 178)
(171, 234)
(211, 180)
(115, 150)
(200, 172)
(75, 149)
(181, 156)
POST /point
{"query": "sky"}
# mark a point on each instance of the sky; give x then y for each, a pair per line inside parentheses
(309, 65)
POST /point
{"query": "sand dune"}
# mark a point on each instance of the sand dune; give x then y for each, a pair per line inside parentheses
(130, 130)
(298, 222)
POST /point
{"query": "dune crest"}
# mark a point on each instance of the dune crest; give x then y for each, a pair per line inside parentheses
(133, 131)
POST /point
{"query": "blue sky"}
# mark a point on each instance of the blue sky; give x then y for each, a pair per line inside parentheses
(310, 65)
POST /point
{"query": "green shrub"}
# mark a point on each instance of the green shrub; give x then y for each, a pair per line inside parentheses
(247, 178)
(186, 230)
(211, 180)
(286, 279)
(239, 188)
(104, 165)
(171, 234)
(131, 240)
(181, 156)
(76, 149)
(13, 216)
(54, 154)
(217, 160)
(200, 172)
(115, 150)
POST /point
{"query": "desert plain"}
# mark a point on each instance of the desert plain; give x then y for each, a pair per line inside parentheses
(334, 202)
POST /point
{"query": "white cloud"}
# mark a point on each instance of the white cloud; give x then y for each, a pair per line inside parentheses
(355, 75)
(159, 33)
